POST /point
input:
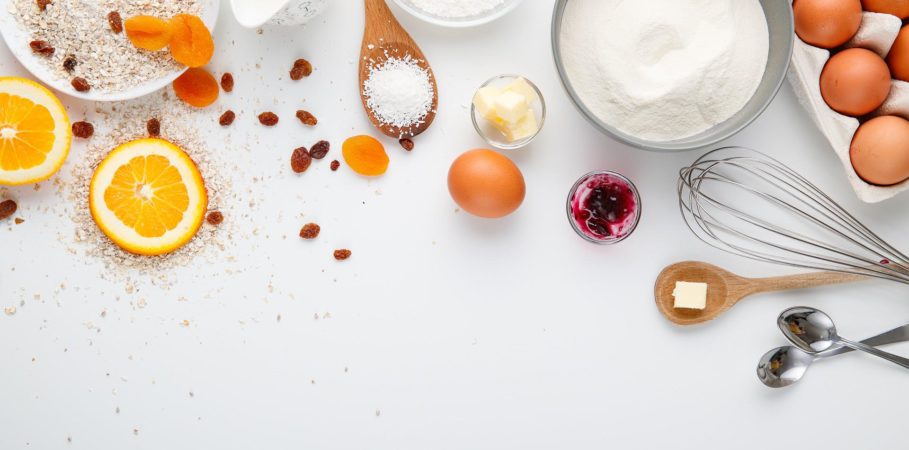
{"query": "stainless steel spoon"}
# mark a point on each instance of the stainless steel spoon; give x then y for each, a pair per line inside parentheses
(784, 366)
(813, 331)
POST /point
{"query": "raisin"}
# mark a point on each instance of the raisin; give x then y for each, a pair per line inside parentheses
(227, 82)
(269, 119)
(302, 68)
(83, 129)
(334, 165)
(227, 118)
(79, 84)
(406, 143)
(115, 22)
(153, 126)
(342, 254)
(310, 231)
(42, 4)
(307, 118)
(69, 63)
(215, 218)
(320, 149)
(300, 160)
(41, 47)
(7, 209)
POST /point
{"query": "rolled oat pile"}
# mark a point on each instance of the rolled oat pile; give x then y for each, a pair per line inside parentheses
(81, 35)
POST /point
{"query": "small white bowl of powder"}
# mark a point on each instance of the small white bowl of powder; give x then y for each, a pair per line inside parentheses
(458, 13)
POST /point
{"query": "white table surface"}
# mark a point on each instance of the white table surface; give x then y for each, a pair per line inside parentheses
(443, 331)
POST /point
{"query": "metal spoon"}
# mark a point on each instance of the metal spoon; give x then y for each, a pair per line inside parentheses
(784, 366)
(813, 331)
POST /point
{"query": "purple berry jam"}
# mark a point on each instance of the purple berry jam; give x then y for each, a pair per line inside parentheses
(604, 207)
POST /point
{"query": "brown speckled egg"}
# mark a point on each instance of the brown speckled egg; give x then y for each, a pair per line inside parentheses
(855, 82)
(486, 184)
(880, 150)
(899, 8)
(898, 58)
(827, 23)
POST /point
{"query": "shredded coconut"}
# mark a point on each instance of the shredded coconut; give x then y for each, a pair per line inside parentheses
(107, 60)
(665, 69)
(457, 9)
(399, 92)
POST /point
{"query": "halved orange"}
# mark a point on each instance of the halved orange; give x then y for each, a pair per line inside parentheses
(148, 197)
(35, 132)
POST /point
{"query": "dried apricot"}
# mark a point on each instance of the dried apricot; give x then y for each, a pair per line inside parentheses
(148, 32)
(191, 44)
(365, 155)
(196, 87)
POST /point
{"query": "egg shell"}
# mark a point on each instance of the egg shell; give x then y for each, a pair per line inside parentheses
(898, 58)
(827, 23)
(880, 150)
(899, 8)
(855, 82)
(486, 184)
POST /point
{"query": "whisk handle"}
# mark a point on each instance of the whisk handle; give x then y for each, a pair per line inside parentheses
(803, 280)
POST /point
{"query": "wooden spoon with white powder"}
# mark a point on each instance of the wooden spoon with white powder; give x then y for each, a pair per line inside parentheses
(397, 86)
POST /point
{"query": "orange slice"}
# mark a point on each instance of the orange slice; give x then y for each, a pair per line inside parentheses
(35, 133)
(148, 197)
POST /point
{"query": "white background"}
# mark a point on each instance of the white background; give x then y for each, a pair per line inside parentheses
(443, 331)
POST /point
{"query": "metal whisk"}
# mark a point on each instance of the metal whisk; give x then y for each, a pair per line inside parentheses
(749, 204)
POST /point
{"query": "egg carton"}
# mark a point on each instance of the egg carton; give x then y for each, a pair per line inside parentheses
(877, 33)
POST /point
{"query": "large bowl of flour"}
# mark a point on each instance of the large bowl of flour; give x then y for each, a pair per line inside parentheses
(672, 75)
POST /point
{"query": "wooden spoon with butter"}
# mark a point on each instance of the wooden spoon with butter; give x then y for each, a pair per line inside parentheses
(725, 289)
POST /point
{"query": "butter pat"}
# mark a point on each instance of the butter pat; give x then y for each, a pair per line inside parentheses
(485, 101)
(521, 87)
(690, 295)
(509, 109)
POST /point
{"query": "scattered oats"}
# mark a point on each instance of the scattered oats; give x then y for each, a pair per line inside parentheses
(141, 303)
(120, 122)
(9, 310)
(185, 323)
(80, 28)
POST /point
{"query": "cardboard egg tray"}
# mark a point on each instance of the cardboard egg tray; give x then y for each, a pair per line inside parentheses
(877, 33)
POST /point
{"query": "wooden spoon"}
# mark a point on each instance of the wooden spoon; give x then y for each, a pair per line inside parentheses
(383, 37)
(725, 289)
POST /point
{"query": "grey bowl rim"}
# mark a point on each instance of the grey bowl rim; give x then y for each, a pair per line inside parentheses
(655, 146)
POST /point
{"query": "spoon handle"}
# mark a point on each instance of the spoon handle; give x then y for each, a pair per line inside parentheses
(899, 334)
(879, 353)
(803, 280)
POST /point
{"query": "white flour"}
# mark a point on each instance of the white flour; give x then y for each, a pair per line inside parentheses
(664, 69)
(456, 9)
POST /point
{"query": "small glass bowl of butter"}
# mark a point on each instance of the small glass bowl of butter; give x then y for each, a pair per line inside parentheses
(508, 111)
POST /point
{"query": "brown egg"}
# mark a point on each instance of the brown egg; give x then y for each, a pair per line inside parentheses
(898, 59)
(486, 184)
(899, 8)
(827, 23)
(880, 150)
(855, 82)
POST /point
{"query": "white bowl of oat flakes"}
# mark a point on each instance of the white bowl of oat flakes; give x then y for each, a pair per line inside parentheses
(80, 30)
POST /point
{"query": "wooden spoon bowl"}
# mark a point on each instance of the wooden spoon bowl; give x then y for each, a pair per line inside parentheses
(385, 38)
(725, 289)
